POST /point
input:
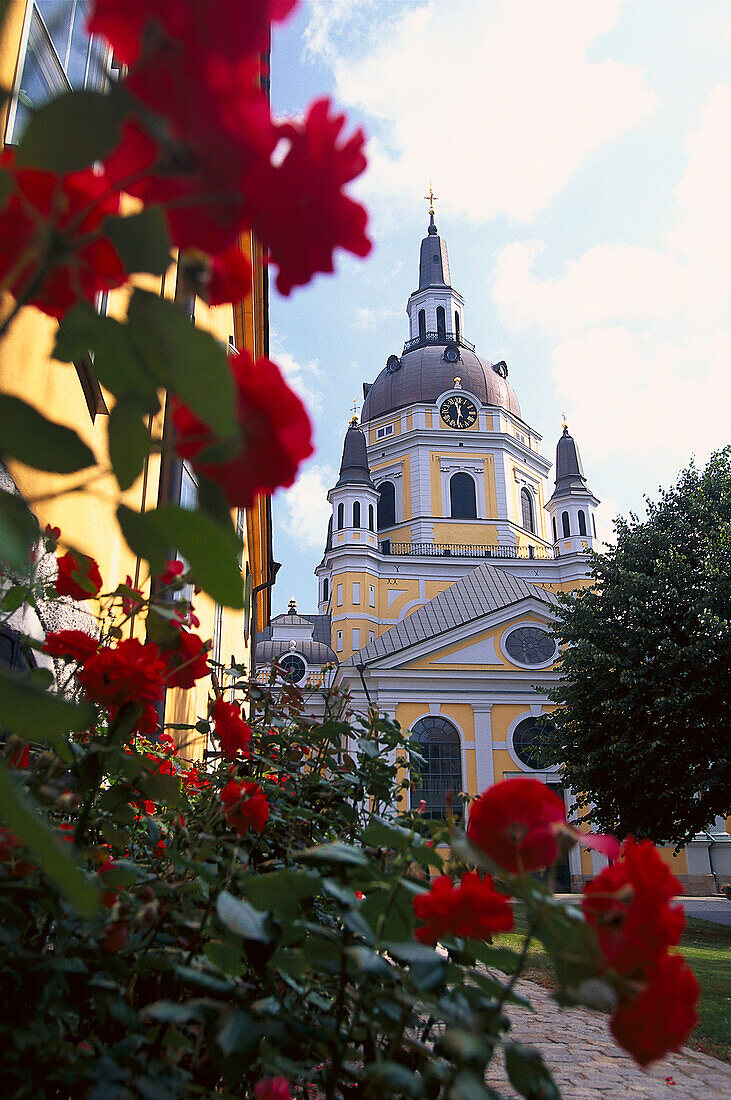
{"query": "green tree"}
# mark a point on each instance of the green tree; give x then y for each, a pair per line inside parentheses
(642, 726)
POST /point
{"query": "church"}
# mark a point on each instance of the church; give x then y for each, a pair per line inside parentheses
(447, 543)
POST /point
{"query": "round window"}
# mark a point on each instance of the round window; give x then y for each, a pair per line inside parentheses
(294, 667)
(526, 741)
(529, 645)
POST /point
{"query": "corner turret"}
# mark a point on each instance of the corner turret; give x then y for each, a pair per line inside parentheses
(573, 506)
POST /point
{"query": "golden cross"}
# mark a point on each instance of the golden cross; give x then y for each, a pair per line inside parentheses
(563, 417)
(354, 411)
(431, 197)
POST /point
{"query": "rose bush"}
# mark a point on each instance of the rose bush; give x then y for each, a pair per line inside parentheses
(263, 922)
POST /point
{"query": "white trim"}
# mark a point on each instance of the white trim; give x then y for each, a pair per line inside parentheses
(539, 773)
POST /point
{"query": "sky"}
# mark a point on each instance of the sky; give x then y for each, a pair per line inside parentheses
(581, 158)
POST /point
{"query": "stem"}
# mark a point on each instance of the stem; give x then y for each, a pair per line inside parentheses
(508, 989)
(337, 1060)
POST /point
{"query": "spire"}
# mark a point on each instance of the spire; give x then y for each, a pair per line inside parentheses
(433, 261)
(354, 466)
(569, 471)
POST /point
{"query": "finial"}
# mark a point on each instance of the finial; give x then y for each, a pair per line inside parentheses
(292, 609)
(457, 383)
(431, 197)
(354, 412)
(565, 425)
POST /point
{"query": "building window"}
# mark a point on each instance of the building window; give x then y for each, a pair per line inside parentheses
(593, 523)
(387, 429)
(293, 666)
(12, 654)
(217, 633)
(324, 590)
(462, 497)
(456, 325)
(437, 741)
(386, 505)
(422, 324)
(340, 595)
(356, 591)
(370, 517)
(566, 525)
(356, 638)
(356, 514)
(526, 740)
(341, 516)
(441, 322)
(188, 489)
(526, 505)
(371, 636)
(340, 641)
(582, 522)
(59, 55)
(371, 595)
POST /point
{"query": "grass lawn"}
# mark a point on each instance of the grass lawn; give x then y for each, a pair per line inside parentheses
(707, 948)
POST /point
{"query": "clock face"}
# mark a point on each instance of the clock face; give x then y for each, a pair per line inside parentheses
(458, 412)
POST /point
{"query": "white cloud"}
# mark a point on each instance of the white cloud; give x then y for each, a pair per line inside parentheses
(306, 507)
(304, 378)
(367, 319)
(642, 334)
(498, 99)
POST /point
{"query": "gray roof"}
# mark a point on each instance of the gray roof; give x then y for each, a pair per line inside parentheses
(433, 260)
(425, 374)
(570, 479)
(291, 620)
(315, 653)
(484, 589)
(321, 624)
(354, 465)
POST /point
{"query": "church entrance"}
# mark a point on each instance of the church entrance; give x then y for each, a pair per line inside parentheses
(563, 872)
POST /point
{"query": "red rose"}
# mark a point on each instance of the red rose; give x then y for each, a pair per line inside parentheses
(628, 905)
(662, 1017)
(12, 851)
(245, 806)
(515, 823)
(115, 937)
(272, 1088)
(275, 432)
(188, 662)
(297, 207)
(194, 781)
(231, 730)
(128, 673)
(473, 909)
(78, 576)
(54, 224)
(228, 278)
(75, 645)
(132, 601)
(20, 759)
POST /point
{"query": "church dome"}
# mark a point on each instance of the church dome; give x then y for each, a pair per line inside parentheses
(424, 374)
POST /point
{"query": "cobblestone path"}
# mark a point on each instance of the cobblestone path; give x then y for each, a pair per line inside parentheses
(587, 1064)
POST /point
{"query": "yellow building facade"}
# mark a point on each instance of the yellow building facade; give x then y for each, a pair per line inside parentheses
(44, 49)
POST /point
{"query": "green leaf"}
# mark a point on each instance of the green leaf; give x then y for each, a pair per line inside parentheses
(382, 834)
(169, 1012)
(129, 441)
(211, 552)
(338, 853)
(396, 1078)
(53, 858)
(529, 1074)
(71, 131)
(367, 961)
(184, 359)
(38, 715)
(468, 1086)
(14, 597)
(25, 434)
(237, 1033)
(242, 918)
(141, 240)
(18, 533)
(281, 891)
(224, 956)
(116, 362)
(497, 958)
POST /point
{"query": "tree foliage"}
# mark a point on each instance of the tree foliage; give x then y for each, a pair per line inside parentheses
(642, 729)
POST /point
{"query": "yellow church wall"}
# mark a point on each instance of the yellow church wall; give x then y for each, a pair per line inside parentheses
(435, 484)
(406, 487)
(409, 421)
(463, 533)
(409, 589)
(429, 418)
(490, 487)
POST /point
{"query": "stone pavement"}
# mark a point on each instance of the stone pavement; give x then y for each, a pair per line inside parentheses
(588, 1065)
(716, 909)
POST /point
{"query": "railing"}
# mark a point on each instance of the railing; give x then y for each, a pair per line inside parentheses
(438, 338)
(473, 550)
(313, 682)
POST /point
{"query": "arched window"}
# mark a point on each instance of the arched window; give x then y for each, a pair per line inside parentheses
(441, 322)
(324, 590)
(566, 525)
(526, 504)
(555, 529)
(582, 522)
(370, 517)
(341, 516)
(456, 325)
(422, 324)
(462, 498)
(437, 741)
(593, 523)
(13, 655)
(356, 514)
(526, 741)
(386, 505)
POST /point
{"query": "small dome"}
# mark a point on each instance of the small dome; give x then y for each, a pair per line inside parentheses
(315, 653)
(425, 374)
